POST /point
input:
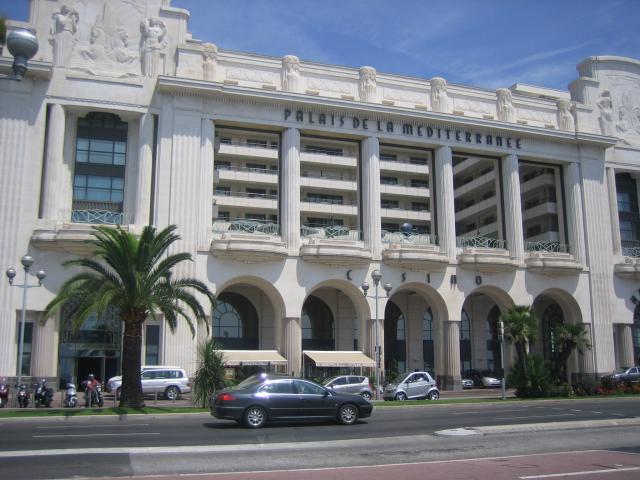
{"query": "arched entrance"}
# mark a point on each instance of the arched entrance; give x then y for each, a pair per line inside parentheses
(318, 325)
(235, 322)
(395, 344)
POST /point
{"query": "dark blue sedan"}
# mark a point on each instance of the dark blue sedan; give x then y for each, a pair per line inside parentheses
(265, 397)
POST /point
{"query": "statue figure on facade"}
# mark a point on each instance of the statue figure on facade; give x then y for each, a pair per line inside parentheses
(606, 113)
(152, 41)
(96, 51)
(64, 32)
(209, 61)
(506, 110)
(367, 85)
(291, 74)
(565, 117)
(120, 47)
(439, 97)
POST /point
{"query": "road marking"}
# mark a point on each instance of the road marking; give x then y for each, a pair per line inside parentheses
(585, 472)
(95, 426)
(597, 412)
(536, 416)
(95, 435)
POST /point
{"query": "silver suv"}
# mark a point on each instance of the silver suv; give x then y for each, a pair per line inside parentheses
(350, 384)
(412, 385)
(171, 382)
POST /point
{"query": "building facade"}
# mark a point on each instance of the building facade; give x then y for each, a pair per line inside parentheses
(291, 182)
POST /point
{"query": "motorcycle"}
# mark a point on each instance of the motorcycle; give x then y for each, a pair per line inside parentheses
(43, 395)
(70, 396)
(4, 393)
(23, 396)
(93, 396)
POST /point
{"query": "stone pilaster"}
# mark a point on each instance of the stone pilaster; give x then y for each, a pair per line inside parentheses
(145, 165)
(445, 202)
(513, 207)
(585, 359)
(574, 211)
(292, 345)
(54, 163)
(626, 345)
(205, 213)
(452, 379)
(613, 211)
(371, 195)
(44, 356)
(290, 189)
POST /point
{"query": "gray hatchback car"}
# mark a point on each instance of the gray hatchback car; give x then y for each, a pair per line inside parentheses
(357, 384)
(414, 385)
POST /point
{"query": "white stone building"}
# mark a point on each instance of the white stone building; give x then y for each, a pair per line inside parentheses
(292, 181)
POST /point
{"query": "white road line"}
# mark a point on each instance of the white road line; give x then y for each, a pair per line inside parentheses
(462, 413)
(585, 472)
(597, 412)
(95, 426)
(573, 410)
(535, 416)
(96, 435)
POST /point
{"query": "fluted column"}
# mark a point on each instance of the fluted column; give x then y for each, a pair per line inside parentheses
(206, 184)
(613, 209)
(626, 345)
(574, 211)
(445, 202)
(371, 195)
(513, 207)
(44, 350)
(54, 163)
(145, 165)
(452, 379)
(290, 189)
(585, 359)
(292, 345)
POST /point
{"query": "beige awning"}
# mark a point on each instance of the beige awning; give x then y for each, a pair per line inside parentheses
(339, 358)
(253, 357)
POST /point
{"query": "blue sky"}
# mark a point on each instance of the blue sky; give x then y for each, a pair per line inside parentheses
(475, 42)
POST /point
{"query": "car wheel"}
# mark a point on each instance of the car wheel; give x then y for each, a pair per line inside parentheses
(366, 396)
(401, 396)
(433, 395)
(348, 414)
(172, 393)
(255, 417)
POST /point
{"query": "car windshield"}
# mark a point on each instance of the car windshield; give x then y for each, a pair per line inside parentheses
(329, 380)
(399, 379)
(622, 369)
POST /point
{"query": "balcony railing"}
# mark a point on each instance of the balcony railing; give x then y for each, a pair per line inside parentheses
(264, 196)
(547, 246)
(330, 176)
(631, 248)
(266, 145)
(254, 227)
(336, 232)
(409, 238)
(228, 168)
(479, 241)
(97, 213)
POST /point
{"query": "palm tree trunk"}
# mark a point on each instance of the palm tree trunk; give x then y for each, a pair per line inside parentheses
(131, 395)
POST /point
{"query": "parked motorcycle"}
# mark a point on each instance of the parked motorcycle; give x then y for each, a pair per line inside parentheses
(93, 395)
(4, 393)
(23, 396)
(43, 395)
(70, 396)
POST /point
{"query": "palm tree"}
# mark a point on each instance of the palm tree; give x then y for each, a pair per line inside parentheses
(130, 274)
(521, 328)
(567, 338)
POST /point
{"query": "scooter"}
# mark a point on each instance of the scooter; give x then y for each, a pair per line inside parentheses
(70, 396)
(43, 395)
(93, 396)
(23, 396)
(4, 393)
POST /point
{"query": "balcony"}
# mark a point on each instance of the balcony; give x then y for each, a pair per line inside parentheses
(244, 199)
(247, 241)
(475, 184)
(246, 175)
(485, 254)
(403, 167)
(413, 251)
(246, 150)
(551, 258)
(405, 215)
(404, 189)
(544, 180)
(334, 245)
(328, 208)
(629, 267)
(477, 209)
(329, 181)
(347, 159)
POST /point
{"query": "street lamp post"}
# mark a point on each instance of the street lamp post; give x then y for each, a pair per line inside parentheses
(501, 340)
(23, 45)
(27, 262)
(376, 276)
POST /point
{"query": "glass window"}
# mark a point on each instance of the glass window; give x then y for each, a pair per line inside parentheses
(26, 347)
(306, 388)
(152, 345)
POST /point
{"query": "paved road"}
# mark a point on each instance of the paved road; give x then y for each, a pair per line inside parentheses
(79, 446)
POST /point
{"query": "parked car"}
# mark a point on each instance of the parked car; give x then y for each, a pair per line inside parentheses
(169, 381)
(467, 383)
(357, 384)
(489, 381)
(626, 374)
(266, 397)
(414, 385)
(475, 376)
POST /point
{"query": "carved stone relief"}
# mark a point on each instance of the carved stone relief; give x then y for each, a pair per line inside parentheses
(152, 42)
(537, 115)
(439, 97)
(620, 109)
(605, 105)
(209, 61)
(565, 116)
(324, 85)
(291, 81)
(471, 106)
(402, 95)
(64, 35)
(250, 75)
(504, 106)
(367, 84)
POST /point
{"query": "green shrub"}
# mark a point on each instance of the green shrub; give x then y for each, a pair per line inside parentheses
(210, 375)
(531, 379)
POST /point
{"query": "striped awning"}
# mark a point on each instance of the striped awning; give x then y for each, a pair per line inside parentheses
(234, 358)
(324, 358)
